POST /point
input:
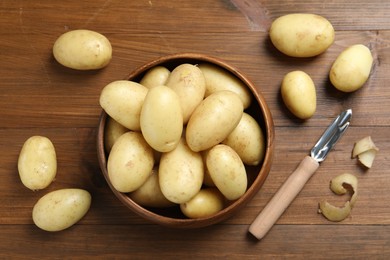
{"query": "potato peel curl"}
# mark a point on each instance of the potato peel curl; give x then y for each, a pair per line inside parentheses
(340, 185)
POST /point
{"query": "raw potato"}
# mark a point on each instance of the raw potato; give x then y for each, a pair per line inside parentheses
(130, 162)
(161, 119)
(181, 173)
(156, 76)
(207, 202)
(299, 94)
(122, 100)
(113, 130)
(61, 209)
(219, 79)
(37, 163)
(213, 120)
(82, 50)
(340, 185)
(149, 194)
(227, 171)
(366, 150)
(188, 82)
(302, 35)
(247, 139)
(352, 68)
(206, 178)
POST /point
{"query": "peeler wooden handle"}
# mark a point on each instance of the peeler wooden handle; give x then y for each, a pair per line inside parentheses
(283, 198)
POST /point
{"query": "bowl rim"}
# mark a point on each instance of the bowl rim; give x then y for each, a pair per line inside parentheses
(233, 208)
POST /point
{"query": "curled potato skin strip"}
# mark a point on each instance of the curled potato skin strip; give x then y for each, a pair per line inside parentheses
(334, 213)
(366, 150)
(363, 145)
(340, 185)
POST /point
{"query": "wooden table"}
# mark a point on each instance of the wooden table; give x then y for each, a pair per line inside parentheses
(40, 97)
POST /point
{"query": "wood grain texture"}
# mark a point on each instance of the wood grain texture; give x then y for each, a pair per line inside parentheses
(39, 96)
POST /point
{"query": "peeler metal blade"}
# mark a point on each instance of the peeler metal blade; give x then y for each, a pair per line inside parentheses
(331, 135)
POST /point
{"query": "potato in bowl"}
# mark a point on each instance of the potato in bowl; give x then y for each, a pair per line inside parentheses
(188, 148)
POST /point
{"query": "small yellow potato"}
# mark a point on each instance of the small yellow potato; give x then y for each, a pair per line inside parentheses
(213, 120)
(302, 35)
(113, 130)
(206, 178)
(227, 171)
(122, 100)
(61, 209)
(207, 202)
(219, 79)
(340, 185)
(352, 68)
(180, 173)
(161, 119)
(155, 76)
(299, 94)
(366, 150)
(149, 194)
(247, 139)
(130, 162)
(82, 50)
(188, 82)
(37, 163)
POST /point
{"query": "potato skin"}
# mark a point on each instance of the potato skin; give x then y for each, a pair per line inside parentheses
(247, 139)
(218, 79)
(82, 50)
(149, 194)
(113, 130)
(207, 181)
(188, 82)
(130, 162)
(351, 68)
(181, 173)
(122, 100)
(204, 129)
(302, 35)
(161, 119)
(155, 76)
(299, 94)
(60, 209)
(227, 171)
(37, 163)
(206, 202)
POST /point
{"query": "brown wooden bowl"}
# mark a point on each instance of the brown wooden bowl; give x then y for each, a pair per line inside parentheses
(172, 217)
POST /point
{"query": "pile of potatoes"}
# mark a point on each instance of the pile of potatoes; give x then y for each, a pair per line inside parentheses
(307, 35)
(181, 138)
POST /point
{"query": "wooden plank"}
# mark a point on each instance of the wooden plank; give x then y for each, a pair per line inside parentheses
(78, 167)
(71, 98)
(220, 241)
(187, 16)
